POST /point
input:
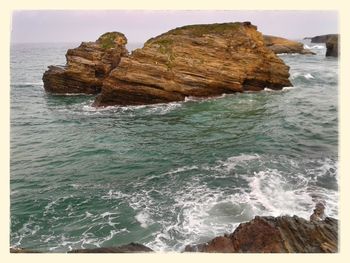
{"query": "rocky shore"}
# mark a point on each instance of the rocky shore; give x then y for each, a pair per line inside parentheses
(263, 234)
(197, 60)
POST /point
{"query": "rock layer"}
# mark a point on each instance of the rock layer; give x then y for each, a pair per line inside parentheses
(87, 66)
(196, 60)
(282, 234)
(281, 45)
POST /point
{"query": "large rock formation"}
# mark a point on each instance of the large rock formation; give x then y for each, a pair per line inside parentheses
(87, 66)
(196, 60)
(332, 46)
(282, 234)
(281, 45)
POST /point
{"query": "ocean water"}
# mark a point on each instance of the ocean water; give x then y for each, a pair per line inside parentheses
(166, 175)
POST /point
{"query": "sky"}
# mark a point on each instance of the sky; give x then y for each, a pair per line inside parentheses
(34, 26)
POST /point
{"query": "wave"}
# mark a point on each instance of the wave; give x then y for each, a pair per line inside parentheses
(308, 76)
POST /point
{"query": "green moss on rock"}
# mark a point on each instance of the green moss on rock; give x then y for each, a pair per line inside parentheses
(111, 39)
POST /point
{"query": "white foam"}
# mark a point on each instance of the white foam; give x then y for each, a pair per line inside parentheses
(318, 47)
(267, 89)
(272, 195)
(287, 88)
(231, 162)
(181, 169)
(308, 76)
(144, 219)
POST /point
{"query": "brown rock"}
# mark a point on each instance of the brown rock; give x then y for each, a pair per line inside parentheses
(281, 45)
(87, 65)
(196, 60)
(282, 234)
(332, 46)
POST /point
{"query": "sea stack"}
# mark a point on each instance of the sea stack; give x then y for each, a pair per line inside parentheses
(196, 60)
(87, 66)
(332, 46)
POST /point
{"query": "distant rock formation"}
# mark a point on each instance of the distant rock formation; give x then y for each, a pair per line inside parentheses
(281, 45)
(332, 46)
(87, 66)
(322, 38)
(196, 60)
(283, 234)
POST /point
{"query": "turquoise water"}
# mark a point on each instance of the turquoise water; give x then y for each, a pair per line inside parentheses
(166, 175)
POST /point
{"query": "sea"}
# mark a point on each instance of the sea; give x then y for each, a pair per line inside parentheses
(166, 175)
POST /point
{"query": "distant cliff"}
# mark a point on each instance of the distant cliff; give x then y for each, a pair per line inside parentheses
(281, 45)
(321, 38)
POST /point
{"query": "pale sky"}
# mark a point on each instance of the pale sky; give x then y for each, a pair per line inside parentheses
(138, 26)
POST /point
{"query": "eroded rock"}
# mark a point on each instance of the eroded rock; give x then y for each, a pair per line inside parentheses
(87, 65)
(196, 60)
(283, 234)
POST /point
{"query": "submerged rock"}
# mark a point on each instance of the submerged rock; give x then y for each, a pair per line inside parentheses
(129, 248)
(283, 234)
(332, 46)
(196, 60)
(281, 45)
(87, 65)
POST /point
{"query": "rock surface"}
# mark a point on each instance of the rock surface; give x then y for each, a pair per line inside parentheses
(332, 46)
(281, 45)
(282, 234)
(129, 248)
(87, 66)
(196, 60)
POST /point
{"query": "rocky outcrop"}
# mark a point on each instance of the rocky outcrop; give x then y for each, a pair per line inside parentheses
(282, 234)
(196, 60)
(129, 248)
(322, 38)
(281, 45)
(87, 66)
(332, 46)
